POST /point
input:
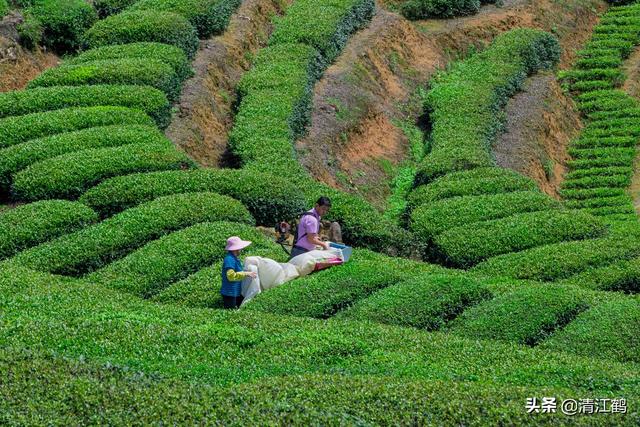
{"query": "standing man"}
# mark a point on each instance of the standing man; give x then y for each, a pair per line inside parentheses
(308, 234)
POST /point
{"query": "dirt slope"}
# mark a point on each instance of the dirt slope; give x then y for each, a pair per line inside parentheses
(205, 115)
(352, 138)
(17, 65)
(632, 87)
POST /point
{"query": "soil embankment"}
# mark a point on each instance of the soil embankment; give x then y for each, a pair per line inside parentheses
(353, 140)
(205, 109)
(632, 87)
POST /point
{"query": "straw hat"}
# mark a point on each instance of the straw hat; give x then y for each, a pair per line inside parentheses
(235, 243)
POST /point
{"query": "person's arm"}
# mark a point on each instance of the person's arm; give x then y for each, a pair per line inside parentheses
(236, 276)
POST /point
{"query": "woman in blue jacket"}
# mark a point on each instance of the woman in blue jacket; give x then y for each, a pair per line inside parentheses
(233, 273)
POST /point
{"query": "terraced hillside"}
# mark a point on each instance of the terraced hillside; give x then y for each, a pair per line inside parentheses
(170, 125)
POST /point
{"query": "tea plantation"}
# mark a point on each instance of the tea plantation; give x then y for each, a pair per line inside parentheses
(483, 296)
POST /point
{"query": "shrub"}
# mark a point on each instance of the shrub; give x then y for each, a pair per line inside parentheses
(333, 23)
(464, 102)
(138, 72)
(4, 8)
(621, 276)
(111, 7)
(432, 219)
(29, 225)
(325, 293)
(63, 22)
(424, 9)
(15, 130)
(608, 330)
(30, 31)
(69, 175)
(526, 316)
(484, 181)
(562, 260)
(155, 266)
(144, 26)
(171, 55)
(426, 301)
(467, 245)
(96, 246)
(147, 99)
(269, 198)
(18, 157)
(207, 16)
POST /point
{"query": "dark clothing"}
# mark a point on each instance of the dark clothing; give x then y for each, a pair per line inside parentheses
(297, 250)
(232, 302)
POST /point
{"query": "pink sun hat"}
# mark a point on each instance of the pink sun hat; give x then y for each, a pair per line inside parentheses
(234, 243)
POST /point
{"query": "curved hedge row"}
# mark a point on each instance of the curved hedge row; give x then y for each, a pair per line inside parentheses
(69, 175)
(140, 72)
(323, 294)
(526, 316)
(172, 55)
(96, 246)
(15, 130)
(475, 182)
(429, 220)
(621, 276)
(35, 223)
(424, 9)
(144, 26)
(156, 265)
(150, 100)
(207, 16)
(425, 301)
(269, 198)
(467, 245)
(563, 260)
(608, 330)
(18, 157)
(464, 102)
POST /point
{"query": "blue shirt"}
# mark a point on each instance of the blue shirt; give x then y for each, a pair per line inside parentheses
(231, 289)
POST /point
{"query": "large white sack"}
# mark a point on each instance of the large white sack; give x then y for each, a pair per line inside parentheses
(250, 286)
(271, 273)
(306, 262)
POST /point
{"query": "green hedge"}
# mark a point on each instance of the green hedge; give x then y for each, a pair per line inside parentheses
(219, 348)
(71, 174)
(111, 7)
(63, 22)
(471, 183)
(424, 9)
(15, 130)
(29, 225)
(4, 8)
(18, 157)
(333, 23)
(423, 301)
(172, 55)
(269, 198)
(597, 181)
(144, 26)
(325, 293)
(563, 260)
(607, 331)
(275, 102)
(96, 246)
(150, 100)
(599, 202)
(598, 171)
(140, 72)
(207, 16)
(621, 276)
(432, 219)
(467, 245)
(587, 193)
(605, 142)
(464, 102)
(525, 316)
(155, 266)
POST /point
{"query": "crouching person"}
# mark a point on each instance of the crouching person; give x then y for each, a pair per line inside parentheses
(233, 273)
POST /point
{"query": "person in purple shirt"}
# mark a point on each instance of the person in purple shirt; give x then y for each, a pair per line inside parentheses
(308, 235)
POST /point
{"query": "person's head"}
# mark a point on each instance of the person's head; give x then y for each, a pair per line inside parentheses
(323, 205)
(235, 244)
